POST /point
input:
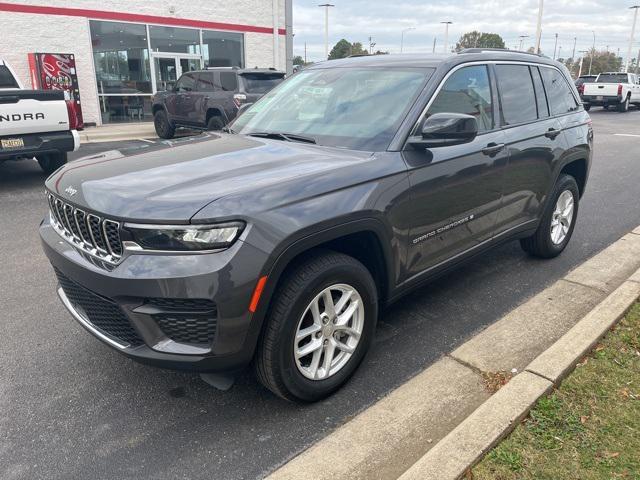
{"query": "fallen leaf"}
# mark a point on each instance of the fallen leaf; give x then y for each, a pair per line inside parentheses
(599, 347)
(583, 419)
(611, 454)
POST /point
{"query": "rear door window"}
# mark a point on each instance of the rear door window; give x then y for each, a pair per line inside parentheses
(561, 99)
(613, 78)
(6, 79)
(205, 82)
(260, 82)
(467, 91)
(516, 93)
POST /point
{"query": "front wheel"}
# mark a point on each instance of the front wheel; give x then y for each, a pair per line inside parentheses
(163, 125)
(320, 326)
(558, 221)
(50, 162)
(587, 107)
(215, 123)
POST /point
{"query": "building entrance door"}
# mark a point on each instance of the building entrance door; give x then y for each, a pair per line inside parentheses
(168, 69)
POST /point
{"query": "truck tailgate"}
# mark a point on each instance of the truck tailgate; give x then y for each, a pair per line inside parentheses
(32, 111)
(602, 89)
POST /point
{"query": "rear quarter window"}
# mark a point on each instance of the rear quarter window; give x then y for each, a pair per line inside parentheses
(6, 79)
(561, 99)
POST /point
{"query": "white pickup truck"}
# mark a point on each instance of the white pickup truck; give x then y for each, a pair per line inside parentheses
(612, 88)
(35, 123)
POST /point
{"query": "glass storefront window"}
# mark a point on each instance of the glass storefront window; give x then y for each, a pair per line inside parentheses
(125, 108)
(222, 49)
(121, 57)
(177, 40)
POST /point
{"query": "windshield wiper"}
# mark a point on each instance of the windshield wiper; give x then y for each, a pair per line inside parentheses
(289, 137)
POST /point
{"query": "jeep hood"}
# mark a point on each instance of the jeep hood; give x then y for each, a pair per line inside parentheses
(171, 184)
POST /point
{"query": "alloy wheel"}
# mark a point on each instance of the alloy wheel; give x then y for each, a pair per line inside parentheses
(328, 332)
(562, 217)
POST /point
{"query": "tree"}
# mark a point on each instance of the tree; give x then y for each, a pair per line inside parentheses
(298, 60)
(603, 61)
(343, 49)
(477, 39)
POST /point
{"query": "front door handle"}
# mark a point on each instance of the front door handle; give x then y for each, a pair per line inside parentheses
(493, 149)
(552, 133)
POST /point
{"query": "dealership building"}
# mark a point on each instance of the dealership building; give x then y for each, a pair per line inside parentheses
(126, 50)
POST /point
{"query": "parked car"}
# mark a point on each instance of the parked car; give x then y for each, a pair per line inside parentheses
(582, 79)
(210, 99)
(612, 89)
(352, 183)
(35, 123)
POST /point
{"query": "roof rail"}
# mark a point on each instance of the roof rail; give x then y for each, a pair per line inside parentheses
(223, 68)
(502, 50)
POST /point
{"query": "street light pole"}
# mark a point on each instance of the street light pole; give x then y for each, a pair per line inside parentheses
(522, 37)
(402, 36)
(446, 36)
(539, 28)
(573, 54)
(326, 28)
(555, 46)
(581, 60)
(633, 32)
(593, 51)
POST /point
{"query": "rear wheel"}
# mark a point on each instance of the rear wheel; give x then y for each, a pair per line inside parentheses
(163, 125)
(587, 107)
(624, 106)
(319, 328)
(557, 223)
(50, 162)
(215, 123)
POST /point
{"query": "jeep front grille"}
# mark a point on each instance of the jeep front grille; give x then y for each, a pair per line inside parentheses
(91, 233)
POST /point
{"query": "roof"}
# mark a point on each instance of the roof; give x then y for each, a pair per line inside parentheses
(434, 60)
(241, 71)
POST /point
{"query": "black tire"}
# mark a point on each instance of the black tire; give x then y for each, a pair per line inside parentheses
(163, 125)
(587, 107)
(605, 107)
(540, 243)
(275, 365)
(215, 123)
(624, 106)
(49, 163)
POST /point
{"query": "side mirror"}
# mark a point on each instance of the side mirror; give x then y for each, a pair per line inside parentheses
(445, 129)
(242, 108)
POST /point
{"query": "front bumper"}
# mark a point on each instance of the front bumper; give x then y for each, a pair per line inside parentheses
(42, 143)
(177, 311)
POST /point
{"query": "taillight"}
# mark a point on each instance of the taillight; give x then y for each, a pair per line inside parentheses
(581, 89)
(239, 99)
(620, 90)
(72, 114)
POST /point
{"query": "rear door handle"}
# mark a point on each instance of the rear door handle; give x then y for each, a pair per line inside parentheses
(552, 133)
(493, 149)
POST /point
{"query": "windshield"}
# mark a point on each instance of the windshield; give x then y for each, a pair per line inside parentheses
(356, 108)
(6, 79)
(613, 78)
(260, 83)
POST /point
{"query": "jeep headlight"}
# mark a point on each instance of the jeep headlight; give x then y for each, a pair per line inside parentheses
(185, 238)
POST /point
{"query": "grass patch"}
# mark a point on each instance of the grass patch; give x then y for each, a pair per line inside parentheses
(589, 428)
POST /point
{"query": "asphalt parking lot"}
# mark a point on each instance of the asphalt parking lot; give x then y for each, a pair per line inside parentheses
(73, 408)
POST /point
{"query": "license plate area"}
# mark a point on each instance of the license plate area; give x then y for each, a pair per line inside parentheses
(11, 143)
(599, 98)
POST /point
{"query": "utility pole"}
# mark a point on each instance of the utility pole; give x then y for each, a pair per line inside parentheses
(581, 61)
(593, 51)
(633, 32)
(305, 53)
(371, 45)
(573, 54)
(288, 23)
(522, 37)
(555, 46)
(559, 52)
(326, 28)
(446, 35)
(539, 28)
(402, 36)
(434, 45)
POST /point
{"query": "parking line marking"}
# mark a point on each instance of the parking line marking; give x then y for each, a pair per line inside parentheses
(145, 140)
(626, 135)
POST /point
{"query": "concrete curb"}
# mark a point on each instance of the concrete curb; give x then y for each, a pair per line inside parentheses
(461, 449)
(440, 423)
(117, 133)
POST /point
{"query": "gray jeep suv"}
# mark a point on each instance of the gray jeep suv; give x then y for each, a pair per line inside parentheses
(209, 99)
(277, 243)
